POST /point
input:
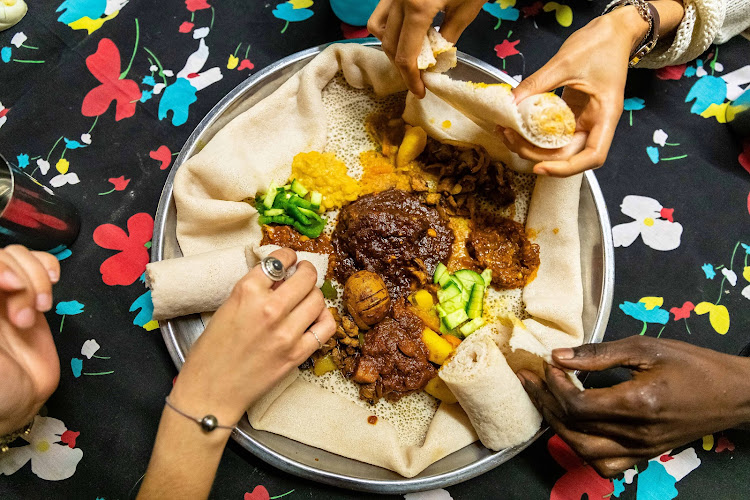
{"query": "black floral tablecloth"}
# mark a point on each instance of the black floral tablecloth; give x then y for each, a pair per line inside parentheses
(98, 96)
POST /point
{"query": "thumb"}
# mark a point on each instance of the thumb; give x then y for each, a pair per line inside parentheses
(546, 79)
(633, 352)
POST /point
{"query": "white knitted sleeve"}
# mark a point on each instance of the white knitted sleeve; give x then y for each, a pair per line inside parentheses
(736, 20)
(699, 27)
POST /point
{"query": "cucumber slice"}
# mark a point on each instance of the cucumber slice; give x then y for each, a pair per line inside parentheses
(316, 199)
(455, 318)
(466, 294)
(440, 270)
(469, 278)
(449, 292)
(476, 302)
(487, 277)
(455, 281)
(444, 279)
(453, 305)
(445, 329)
(441, 311)
(274, 211)
(270, 196)
(472, 326)
(298, 188)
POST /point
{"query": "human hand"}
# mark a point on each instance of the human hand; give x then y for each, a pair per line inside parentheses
(678, 393)
(260, 334)
(29, 366)
(592, 65)
(402, 25)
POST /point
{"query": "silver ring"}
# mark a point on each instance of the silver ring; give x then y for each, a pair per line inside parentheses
(320, 344)
(273, 268)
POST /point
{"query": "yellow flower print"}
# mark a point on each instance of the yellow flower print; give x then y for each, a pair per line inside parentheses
(233, 62)
(301, 4)
(746, 273)
(652, 302)
(62, 166)
(718, 316)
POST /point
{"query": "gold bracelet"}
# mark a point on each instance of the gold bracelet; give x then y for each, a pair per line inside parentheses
(649, 14)
(207, 423)
(9, 438)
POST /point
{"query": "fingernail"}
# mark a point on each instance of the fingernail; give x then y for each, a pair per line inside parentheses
(564, 353)
(54, 276)
(43, 302)
(11, 280)
(521, 378)
(24, 318)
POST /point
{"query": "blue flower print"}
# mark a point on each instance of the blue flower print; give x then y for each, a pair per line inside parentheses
(148, 80)
(76, 365)
(496, 10)
(288, 12)
(708, 269)
(69, 308)
(633, 104)
(706, 91)
(638, 310)
(76, 9)
(746, 247)
(61, 252)
(177, 98)
(5, 54)
(146, 309)
(23, 161)
(72, 144)
(653, 154)
(146, 95)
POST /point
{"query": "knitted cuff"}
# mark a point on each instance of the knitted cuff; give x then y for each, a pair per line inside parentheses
(700, 25)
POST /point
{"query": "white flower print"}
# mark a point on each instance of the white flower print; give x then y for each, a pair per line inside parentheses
(652, 222)
(89, 348)
(50, 460)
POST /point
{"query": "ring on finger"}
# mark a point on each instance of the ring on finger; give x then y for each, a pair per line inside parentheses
(320, 344)
(273, 268)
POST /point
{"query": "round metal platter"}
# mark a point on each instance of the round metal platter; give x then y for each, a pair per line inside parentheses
(597, 264)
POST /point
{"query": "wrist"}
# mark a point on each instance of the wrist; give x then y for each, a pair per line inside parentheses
(198, 399)
(627, 22)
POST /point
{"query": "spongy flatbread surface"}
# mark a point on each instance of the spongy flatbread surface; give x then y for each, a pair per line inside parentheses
(238, 162)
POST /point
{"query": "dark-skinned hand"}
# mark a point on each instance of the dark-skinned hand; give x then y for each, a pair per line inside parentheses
(678, 393)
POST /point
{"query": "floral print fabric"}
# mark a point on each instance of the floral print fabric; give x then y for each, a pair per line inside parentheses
(98, 96)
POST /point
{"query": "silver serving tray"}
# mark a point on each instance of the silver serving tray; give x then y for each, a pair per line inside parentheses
(597, 263)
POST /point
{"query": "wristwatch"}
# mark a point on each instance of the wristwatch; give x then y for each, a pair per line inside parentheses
(649, 14)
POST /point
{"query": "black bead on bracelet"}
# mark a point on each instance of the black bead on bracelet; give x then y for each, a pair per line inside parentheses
(207, 423)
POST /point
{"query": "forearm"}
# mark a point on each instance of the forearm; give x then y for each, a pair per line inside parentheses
(628, 18)
(185, 458)
(742, 390)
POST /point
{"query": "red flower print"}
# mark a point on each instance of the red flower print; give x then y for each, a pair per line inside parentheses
(350, 31)
(193, 5)
(69, 437)
(724, 444)
(246, 64)
(162, 154)
(744, 157)
(104, 64)
(671, 72)
(186, 27)
(682, 312)
(507, 48)
(120, 183)
(126, 266)
(259, 493)
(533, 9)
(579, 478)
(667, 213)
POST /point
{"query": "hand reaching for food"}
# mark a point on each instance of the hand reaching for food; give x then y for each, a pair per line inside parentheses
(592, 65)
(401, 26)
(261, 333)
(678, 393)
(29, 366)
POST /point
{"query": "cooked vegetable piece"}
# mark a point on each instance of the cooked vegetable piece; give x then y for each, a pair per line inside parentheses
(316, 199)
(439, 389)
(414, 142)
(329, 292)
(423, 299)
(324, 365)
(438, 347)
(366, 298)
